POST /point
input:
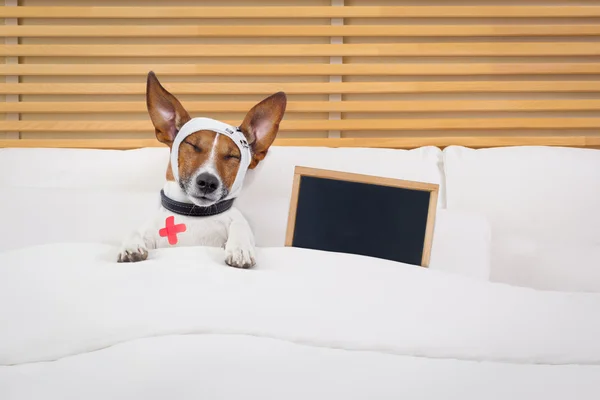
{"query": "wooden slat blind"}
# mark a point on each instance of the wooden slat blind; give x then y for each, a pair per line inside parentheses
(392, 75)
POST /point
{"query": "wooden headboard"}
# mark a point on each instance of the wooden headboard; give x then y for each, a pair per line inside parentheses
(395, 75)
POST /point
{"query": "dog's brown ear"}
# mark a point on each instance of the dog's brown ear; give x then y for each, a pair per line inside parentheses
(262, 124)
(166, 112)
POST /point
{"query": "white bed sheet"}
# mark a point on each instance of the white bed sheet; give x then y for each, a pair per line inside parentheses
(223, 367)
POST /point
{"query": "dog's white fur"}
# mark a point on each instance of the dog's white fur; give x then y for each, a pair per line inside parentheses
(229, 230)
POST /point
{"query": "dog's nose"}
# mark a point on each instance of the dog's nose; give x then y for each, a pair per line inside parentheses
(207, 183)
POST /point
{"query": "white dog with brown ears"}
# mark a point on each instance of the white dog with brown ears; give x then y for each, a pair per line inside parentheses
(208, 163)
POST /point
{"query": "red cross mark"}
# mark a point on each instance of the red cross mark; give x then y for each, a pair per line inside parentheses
(171, 230)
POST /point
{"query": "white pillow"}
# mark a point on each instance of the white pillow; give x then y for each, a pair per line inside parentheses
(546, 265)
(107, 191)
(31, 216)
(461, 244)
(145, 169)
(265, 199)
(542, 203)
(544, 192)
(140, 169)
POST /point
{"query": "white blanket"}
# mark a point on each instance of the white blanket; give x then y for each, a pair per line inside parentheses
(61, 300)
(234, 367)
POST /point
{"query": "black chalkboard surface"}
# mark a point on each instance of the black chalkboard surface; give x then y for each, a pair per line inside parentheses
(361, 214)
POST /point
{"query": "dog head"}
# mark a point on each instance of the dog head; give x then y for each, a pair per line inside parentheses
(208, 161)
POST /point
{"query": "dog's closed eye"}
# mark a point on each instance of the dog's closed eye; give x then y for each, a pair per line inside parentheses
(232, 156)
(196, 148)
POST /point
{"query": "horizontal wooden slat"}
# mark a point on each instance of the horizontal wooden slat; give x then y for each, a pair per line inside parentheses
(314, 106)
(393, 143)
(307, 50)
(300, 31)
(306, 88)
(456, 69)
(529, 11)
(320, 125)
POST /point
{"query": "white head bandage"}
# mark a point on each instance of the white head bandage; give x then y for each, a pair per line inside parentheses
(199, 124)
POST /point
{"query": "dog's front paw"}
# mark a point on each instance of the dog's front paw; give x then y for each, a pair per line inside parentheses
(240, 256)
(133, 253)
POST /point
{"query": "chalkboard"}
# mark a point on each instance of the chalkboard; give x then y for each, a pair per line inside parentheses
(359, 214)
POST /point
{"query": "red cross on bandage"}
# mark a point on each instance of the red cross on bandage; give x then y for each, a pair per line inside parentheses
(171, 230)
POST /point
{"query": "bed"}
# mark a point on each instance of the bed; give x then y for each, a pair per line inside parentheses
(395, 90)
(75, 323)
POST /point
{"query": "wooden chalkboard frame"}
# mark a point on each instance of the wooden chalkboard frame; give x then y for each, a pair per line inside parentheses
(432, 188)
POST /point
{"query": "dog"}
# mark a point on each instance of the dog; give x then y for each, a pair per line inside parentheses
(208, 161)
